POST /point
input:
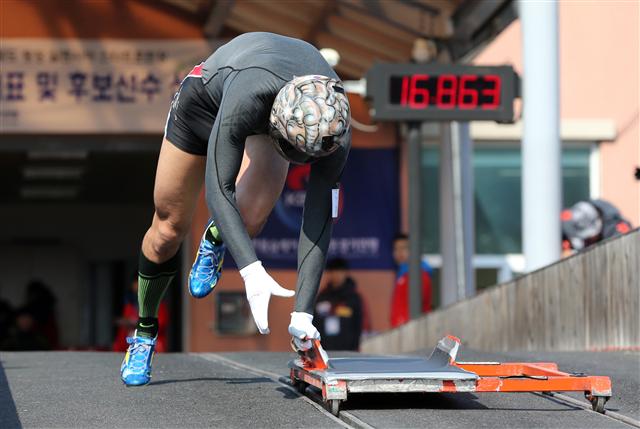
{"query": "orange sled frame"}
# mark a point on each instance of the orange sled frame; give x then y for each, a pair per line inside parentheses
(313, 365)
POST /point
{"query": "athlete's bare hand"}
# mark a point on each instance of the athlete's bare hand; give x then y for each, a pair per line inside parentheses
(259, 287)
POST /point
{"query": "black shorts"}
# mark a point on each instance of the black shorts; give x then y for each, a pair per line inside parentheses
(191, 116)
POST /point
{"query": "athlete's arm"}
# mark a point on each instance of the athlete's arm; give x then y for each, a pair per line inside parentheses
(241, 113)
(234, 123)
(317, 225)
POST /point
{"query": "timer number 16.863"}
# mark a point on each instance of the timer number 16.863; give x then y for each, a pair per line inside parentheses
(446, 91)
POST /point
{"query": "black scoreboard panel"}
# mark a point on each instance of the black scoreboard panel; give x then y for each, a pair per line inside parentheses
(423, 92)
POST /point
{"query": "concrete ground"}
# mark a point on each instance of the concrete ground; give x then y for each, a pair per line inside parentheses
(74, 389)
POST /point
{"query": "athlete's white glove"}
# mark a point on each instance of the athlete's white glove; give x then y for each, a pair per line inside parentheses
(260, 286)
(302, 329)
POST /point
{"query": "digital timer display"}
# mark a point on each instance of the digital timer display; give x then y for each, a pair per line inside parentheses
(446, 91)
(439, 92)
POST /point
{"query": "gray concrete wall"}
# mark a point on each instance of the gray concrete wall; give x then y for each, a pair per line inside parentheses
(590, 301)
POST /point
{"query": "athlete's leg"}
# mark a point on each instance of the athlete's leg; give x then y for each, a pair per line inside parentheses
(260, 182)
(179, 178)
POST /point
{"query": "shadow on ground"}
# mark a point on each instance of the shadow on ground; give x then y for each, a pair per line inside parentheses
(8, 413)
(248, 380)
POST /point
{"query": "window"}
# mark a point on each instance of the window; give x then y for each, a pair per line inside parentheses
(497, 194)
(484, 277)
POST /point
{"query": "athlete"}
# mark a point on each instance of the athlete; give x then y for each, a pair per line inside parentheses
(258, 103)
(589, 222)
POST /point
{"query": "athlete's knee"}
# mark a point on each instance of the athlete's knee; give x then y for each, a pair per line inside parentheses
(169, 231)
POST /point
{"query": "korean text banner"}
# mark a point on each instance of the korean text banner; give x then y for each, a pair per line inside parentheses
(92, 86)
(368, 214)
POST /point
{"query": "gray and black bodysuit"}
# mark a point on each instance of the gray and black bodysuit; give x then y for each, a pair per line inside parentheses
(230, 100)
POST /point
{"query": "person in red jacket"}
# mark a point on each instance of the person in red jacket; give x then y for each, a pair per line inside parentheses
(400, 313)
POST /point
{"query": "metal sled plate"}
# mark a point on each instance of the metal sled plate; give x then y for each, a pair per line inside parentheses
(387, 368)
(388, 371)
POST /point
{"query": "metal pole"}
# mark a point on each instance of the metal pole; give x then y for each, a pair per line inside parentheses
(467, 212)
(415, 220)
(541, 150)
(456, 214)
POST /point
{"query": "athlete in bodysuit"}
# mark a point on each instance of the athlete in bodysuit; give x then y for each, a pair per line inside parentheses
(238, 119)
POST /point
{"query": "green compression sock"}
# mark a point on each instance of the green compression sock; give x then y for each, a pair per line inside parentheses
(153, 281)
(147, 327)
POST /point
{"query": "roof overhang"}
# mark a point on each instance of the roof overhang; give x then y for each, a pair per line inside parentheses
(362, 31)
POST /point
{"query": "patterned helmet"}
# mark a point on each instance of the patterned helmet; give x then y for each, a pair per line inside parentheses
(581, 224)
(310, 118)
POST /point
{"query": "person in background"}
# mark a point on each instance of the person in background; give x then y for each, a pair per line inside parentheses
(588, 222)
(400, 313)
(24, 335)
(127, 322)
(40, 304)
(339, 311)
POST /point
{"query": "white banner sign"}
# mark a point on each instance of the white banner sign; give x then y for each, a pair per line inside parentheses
(92, 86)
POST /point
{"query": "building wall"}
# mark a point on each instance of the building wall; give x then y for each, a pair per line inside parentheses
(599, 48)
(64, 266)
(599, 79)
(134, 19)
